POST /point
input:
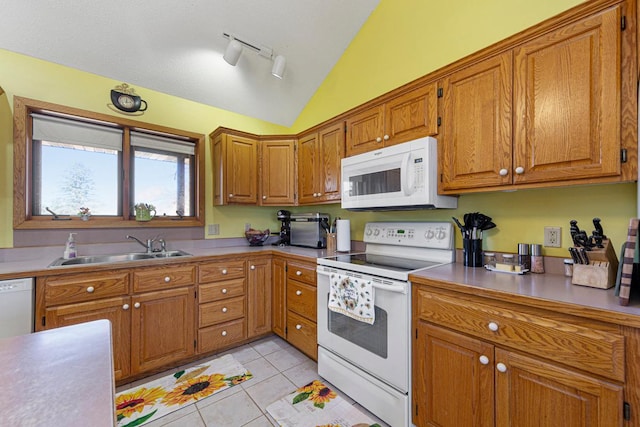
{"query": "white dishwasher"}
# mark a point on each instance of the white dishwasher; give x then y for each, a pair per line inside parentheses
(16, 307)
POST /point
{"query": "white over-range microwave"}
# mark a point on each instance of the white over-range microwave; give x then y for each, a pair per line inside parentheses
(399, 177)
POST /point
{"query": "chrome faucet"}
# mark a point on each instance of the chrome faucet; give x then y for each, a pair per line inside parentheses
(147, 246)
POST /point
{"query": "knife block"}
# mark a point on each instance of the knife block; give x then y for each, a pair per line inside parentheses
(601, 271)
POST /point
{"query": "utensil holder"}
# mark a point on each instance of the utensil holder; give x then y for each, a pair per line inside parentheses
(472, 252)
(331, 243)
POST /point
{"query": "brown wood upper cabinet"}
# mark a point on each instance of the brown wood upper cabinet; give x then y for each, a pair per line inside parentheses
(408, 116)
(235, 160)
(546, 112)
(277, 172)
(319, 155)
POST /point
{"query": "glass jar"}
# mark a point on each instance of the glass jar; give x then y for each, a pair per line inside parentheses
(490, 259)
(568, 267)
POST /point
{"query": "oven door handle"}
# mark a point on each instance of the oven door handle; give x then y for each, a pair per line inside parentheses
(389, 288)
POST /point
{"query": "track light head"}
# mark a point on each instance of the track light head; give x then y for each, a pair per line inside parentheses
(279, 64)
(232, 52)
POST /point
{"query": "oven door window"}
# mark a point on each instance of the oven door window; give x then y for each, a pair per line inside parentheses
(369, 337)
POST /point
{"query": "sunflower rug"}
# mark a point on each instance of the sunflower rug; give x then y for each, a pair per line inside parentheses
(155, 399)
(317, 405)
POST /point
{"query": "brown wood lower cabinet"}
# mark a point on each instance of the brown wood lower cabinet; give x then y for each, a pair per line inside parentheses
(492, 377)
(259, 297)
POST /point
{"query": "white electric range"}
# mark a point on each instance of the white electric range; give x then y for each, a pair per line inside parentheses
(372, 362)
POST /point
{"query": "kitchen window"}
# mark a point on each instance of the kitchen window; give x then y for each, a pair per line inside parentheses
(67, 159)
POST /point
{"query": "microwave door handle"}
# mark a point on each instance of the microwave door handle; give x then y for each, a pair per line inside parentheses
(404, 178)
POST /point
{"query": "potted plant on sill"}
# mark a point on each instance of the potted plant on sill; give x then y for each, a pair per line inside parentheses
(84, 214)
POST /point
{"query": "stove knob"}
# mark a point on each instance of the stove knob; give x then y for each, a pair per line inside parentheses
(441, 234)
(376, 232)
(429, 234)
(368, 231)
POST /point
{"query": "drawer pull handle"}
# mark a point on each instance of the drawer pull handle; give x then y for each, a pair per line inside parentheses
(136, 305)
(484, 360)
(224, 271)
(253, 267)
(224, 333)
(167, 279)
(224, 290)
(501, 367)
(125, 307)
(90, 289)
(298, 273)
(298, 292)
(224, 309)
(493, 326)
(298, 326)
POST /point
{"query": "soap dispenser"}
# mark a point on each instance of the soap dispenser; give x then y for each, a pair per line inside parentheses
(70, 248)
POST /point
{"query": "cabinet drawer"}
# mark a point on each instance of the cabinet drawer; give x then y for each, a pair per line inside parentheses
(221, 270)
(302, 334)
(151, 279)
(584, 344)
(217, 291)
(84, 287)
(222, 335)
(220, 311)
(302, 272)
(301, 298)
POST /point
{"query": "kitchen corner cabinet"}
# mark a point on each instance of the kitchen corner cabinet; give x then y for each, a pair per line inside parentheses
(408, 116)
(277, 172)
(259, 300)
(546, 112)
(301, 294)
(319, 156)
(487, 363)
(279, 297)
(235, 168)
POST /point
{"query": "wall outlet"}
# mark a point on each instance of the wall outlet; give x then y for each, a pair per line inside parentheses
(552, 237)
(214, 229)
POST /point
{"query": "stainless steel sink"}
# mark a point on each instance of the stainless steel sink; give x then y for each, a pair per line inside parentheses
(103, 259)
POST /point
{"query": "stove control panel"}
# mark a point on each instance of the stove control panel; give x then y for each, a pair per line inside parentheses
(436, 235)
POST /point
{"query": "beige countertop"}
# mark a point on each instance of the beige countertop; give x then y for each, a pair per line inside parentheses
(63, 376)
(551, 291)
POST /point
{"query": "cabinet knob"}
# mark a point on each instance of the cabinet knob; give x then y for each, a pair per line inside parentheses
(519, 170)
(224, 309)
(315, 194)
(224, 333)
(319, 194)
(264, 197)
(501, 367)
(224, 271)
(503, 172)
(298, 273)
(167, 279)
(378, 139)
(224, 290)
(125, 307)
(386, 137)
(253, 267)
(298, 292)
(90, 289)
(493, 326)
(298, 326)
(136, 305)
(230, 195)
(484, 360)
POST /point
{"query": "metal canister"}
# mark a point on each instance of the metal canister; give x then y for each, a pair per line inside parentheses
(537, 260)
(524, 255)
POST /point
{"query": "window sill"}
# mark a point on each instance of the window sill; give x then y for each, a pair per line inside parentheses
(45, 223)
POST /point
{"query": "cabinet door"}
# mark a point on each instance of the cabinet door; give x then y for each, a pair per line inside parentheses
(218, 156)
(330, 152)
(532, 393)
(116, 310)
(476, 143)
(567, 102)
(162, 329)
(452, 385)
(259, 301)
(365, 131)
(277, 167)
(279, 297)
(241, 170)
(412, 115)
(307, 161)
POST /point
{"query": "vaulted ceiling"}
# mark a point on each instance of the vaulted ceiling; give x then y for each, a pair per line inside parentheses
(176, 47)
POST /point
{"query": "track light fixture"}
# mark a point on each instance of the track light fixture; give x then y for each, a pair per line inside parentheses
(234, 50)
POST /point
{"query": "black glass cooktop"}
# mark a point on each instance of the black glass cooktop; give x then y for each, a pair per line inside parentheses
(383, 262)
